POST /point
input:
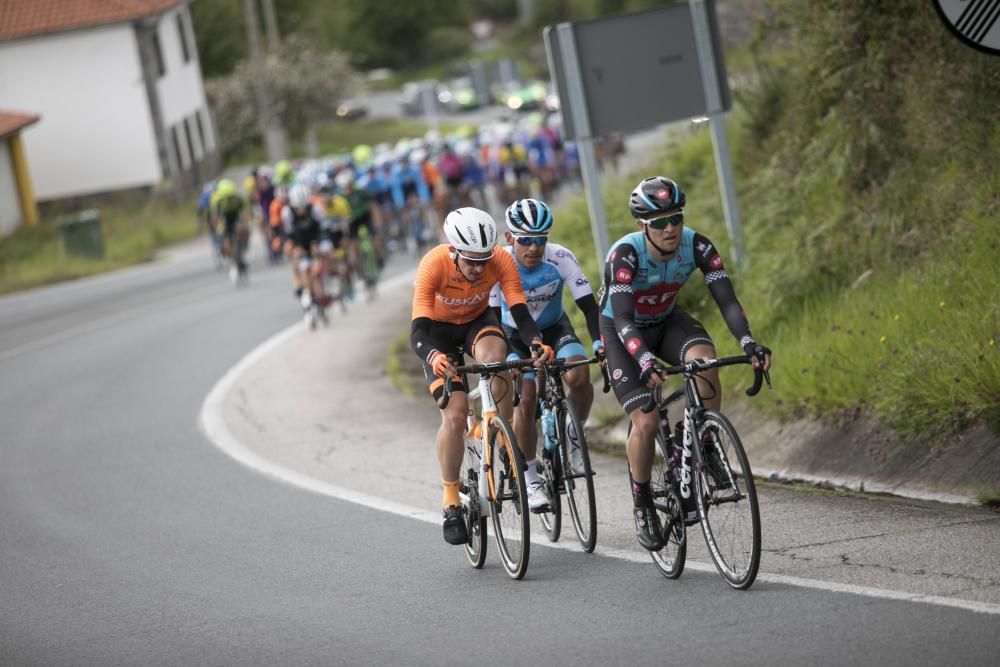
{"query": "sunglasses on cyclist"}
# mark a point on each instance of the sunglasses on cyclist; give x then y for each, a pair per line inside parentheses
(476, 260)
(673, 220)
(531, 240)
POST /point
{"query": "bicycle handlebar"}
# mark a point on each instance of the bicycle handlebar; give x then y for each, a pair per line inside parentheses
(488, 369)
(694, 366)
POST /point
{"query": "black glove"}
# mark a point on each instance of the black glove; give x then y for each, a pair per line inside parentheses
(755, 349)
(648, 371)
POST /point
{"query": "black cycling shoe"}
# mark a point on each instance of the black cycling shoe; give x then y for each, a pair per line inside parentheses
(647, 528)
(455, 531)
(715, 465)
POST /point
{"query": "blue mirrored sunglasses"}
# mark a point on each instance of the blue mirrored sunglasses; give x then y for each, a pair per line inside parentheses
(531, 240)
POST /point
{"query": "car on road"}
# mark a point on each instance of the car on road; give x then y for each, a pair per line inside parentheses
(460, 95)
(522, 96)
(351, 108)
(412, 103)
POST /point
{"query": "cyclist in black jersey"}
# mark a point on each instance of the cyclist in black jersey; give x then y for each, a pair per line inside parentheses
(640, 323)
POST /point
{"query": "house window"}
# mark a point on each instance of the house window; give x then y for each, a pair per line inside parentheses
(201, 130)
(158, 54)
(190, 140)
(201, 133)
(185, 51)
(177, 148)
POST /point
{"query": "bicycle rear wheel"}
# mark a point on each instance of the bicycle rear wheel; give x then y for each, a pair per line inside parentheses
(509, 504)
(671, 558)
(551, 520)
(468, 487)
(727, 501)
(579, 483)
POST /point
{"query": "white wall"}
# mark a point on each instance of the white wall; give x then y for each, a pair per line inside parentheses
(10, 206)
(95, 132)
(181, 92)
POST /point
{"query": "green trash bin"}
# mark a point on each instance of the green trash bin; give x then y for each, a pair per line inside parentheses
(81, 235)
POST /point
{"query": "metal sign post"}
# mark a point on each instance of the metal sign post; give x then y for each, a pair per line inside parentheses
(632, 71)
(720, 142)
(577, 106)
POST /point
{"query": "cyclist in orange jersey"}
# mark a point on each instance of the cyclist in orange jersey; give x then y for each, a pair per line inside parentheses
(451, 310)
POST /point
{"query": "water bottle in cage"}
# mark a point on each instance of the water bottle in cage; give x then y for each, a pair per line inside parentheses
(476, 440)
(548, 431)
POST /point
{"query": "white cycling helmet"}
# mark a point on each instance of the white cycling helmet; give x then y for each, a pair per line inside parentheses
(471, 230)
(298, 196)
(344, 178)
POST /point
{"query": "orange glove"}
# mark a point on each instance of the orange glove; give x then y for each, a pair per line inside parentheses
(439, 364)
(542, 352)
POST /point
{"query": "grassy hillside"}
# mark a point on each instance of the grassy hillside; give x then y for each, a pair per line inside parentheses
(864, 153)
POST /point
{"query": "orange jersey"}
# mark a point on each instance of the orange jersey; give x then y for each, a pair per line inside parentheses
(274, 212)
(442, 294)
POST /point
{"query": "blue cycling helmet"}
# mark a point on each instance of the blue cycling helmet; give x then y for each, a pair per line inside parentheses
(657, 194)
(529, 216)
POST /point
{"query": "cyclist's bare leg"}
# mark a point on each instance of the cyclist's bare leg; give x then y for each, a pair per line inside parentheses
(639, 448)
(711, 394)
(579, 389)
(524, 420)
(491, 349)
(449, 437)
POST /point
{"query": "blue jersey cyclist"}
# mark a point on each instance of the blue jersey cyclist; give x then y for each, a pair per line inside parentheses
(641, 323)
(544, 267)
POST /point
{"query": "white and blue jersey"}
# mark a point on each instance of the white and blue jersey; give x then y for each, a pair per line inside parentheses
(543, 285)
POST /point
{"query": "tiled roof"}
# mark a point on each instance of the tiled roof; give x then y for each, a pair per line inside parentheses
(23, 18)
(12, 122)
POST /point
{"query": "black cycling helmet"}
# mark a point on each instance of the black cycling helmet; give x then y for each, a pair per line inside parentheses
(653, 195)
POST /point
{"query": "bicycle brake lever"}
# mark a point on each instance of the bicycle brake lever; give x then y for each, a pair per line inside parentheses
(442, 402)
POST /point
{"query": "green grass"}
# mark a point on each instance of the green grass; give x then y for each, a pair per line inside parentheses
(989, 498)
(916, 343)
(33, 256)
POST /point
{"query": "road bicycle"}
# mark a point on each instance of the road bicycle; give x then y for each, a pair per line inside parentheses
(701, 474)
(492, 475)
(557, 415)
(368, 269)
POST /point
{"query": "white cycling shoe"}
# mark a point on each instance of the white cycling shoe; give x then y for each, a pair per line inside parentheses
(538, 500)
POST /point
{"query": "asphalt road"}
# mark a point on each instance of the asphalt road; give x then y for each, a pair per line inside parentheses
(126, 537)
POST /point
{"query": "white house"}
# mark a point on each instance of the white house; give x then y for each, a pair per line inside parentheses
(119, 89)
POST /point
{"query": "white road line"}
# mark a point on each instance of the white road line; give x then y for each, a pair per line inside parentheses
(214, 427)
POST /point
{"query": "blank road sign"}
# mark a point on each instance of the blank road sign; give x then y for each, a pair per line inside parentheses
(639, 70)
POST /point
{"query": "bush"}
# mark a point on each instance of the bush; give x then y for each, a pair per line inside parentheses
(447, 42)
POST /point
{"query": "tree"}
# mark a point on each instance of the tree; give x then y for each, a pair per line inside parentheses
(306, 86)
(387, 33)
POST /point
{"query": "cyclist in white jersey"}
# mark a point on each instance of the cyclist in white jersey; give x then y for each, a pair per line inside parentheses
(544, 268)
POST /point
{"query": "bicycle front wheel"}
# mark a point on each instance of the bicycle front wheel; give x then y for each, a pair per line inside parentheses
(509, 498)
(671, 558)
(579, 478)
(472, 464)
(727, 501)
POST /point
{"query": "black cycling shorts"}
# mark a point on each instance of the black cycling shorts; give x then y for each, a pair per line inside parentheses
(560, 337)
(669, 340)
(363, 221)
(450, 338)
